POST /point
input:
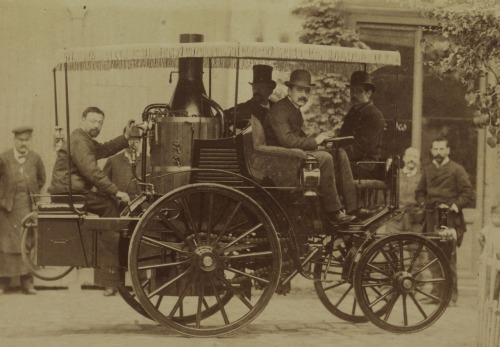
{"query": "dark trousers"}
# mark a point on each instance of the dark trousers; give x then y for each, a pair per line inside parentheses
(26, 282)
(328, 184)
(101, 204)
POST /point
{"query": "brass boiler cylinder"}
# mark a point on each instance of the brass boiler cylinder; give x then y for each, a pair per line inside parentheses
(189, 118)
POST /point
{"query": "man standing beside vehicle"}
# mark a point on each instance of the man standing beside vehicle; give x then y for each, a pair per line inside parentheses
(445, 182)
(85, 174)
(283, 127)
(366, 123)
(22, 174)
(258, 106)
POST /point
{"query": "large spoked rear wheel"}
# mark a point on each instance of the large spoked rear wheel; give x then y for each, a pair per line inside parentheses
(29, 252)
(196, 254)
(415, 280)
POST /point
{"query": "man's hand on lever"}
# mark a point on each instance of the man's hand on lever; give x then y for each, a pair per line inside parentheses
(322, 137)
(122, 196)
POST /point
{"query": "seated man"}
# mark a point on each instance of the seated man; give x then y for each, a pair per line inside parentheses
(258, 106)
(85, 174)
(366, 123)
(283, 127)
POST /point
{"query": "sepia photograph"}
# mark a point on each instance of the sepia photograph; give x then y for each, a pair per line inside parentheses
(242, 173)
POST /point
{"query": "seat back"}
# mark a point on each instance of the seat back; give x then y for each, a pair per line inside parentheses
(275, 165)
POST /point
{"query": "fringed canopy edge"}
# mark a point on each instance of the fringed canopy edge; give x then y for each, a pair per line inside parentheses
(283, 56)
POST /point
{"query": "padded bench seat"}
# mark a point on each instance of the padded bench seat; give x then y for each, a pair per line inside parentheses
(59, 207)
(371, 192)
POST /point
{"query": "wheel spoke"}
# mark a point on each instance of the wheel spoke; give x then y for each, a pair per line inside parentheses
(419, 307)
(181, 298)
(379, 299)
(159, 266)
(219, 302)
(389, 260)
(376, 269)
(245, 234)
(238, 293)
(430, 296)
(175, 229)
(334, 285)
(401, 255)
(376, 284)
(426, 266)
(210, 212)
(160, 298)
(354, 304)
(390, 306)
(415, 257)
(200, 303)
(162, 244)
(344, 295)
(224, 229)
(173, 280)
(248, 255)
(263, 280)
(405, 311)
(190, 221)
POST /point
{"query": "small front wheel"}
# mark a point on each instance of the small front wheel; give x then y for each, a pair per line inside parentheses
(414, 282)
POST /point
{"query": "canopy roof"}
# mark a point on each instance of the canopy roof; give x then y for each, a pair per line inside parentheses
(282, 56)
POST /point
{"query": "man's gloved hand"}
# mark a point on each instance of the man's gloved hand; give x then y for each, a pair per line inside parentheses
(122, 196)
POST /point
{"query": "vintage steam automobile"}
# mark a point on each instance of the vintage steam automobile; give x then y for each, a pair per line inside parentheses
(227, 221)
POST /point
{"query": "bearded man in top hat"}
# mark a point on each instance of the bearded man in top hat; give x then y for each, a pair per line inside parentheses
(366, 123)
(258, 106)
(22, 175)
(283, 127)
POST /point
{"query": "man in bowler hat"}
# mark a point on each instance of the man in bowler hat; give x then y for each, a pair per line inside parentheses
(258, 106)
(366, 123)
(22, 175)
(283, 127)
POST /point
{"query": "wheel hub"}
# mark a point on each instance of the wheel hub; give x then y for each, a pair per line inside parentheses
(205, 258)
(405, 282)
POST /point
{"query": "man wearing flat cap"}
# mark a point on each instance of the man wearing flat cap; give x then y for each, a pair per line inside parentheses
(258, 106)
(366, 123)
(283, 127)
(22, 174)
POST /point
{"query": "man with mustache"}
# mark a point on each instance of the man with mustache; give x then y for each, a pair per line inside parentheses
(283, 127)
(85, 174)
(259, 104)
(22, 174)
(445, 182)
(366, 123)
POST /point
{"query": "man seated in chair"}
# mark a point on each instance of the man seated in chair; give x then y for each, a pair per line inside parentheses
(283, 127)
(258, 106)
(85, 174)
(365, 123)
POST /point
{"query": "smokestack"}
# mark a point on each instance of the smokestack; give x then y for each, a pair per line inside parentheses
(186, 99)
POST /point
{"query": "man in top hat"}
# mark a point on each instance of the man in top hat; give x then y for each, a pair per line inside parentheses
(22, 174)
(258, 106)
(366, 123)
(283, 127)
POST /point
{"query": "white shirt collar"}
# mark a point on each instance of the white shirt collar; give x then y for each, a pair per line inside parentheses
(446, 160)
